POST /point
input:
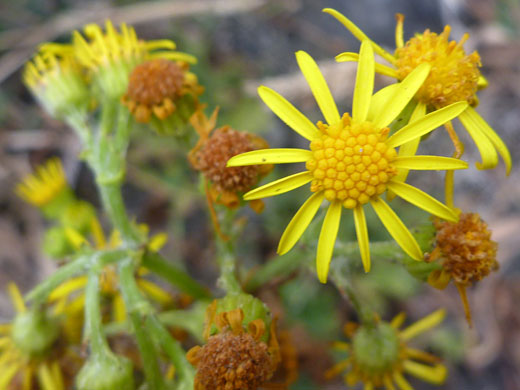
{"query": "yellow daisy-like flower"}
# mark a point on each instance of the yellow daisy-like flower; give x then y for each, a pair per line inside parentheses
(18, 370)
(111, 55)
(45, 185)
(352, 161)
(55, 77)
(454, 77)
(379, 355)
(66, 295)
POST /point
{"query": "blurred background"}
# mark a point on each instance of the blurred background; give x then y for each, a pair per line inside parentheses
(242, 44)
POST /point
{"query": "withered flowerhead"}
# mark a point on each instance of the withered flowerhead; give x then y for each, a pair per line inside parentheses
(235, 358)
(466, 253)
(212, 153)
(157, 89)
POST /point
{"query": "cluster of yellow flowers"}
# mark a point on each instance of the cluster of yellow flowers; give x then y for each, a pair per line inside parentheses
(353, 160)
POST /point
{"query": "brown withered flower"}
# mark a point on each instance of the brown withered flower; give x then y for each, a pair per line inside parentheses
(235, 358)
(465, 252)
(161, 89)
(210, 156)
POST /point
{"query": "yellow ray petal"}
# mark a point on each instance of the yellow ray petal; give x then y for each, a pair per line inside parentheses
(380, 99)
(318, 86)
(280, 186)
(157, 241)
(16, 297)
(119, 309)
(356, 31)
(401, 381)
(482, 82)
(57, 375)
(402, 96)
(288, 113)
(328, 234)
(426, 124)
(154, 291)
(362, 236)
(364, 83)
(399, 39)
(379, 68)
(423, 324)
(387, 381)
(7, 374)
(409, 148)
(299, 223)
(174, 56)
(436, 374)
(45, 378)
(428, 163)
(270, 156)
(398, 320)
(397, 229)
(68, 287)
(471, 119)
(422, 200)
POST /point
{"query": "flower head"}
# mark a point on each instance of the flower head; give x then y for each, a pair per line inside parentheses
(25, 347)
(465, 252)
(44, 186)
(454, 77)
(156, 88)
(111, 55)
(235, 358)
(352, 160)
(379, 354)
(57, 80)
(211, 154)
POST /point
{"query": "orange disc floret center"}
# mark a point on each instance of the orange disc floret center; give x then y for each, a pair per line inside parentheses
(351, 162)
(154, 86)
(454, 74)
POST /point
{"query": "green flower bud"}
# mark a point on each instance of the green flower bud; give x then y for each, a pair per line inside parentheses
(376, 348)
(252, 307)
(34, 332)
(78, 216)
(55, 243)
(106, 372)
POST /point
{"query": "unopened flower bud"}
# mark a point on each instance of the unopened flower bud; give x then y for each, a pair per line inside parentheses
(34, 332)
(106, 372)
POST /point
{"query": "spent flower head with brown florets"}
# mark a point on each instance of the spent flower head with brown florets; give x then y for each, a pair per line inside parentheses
(214, 149)
(243, 353)
(465, 252)
(162, 92)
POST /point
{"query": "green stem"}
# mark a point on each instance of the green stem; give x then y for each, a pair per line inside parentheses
(114, 206)
(139, 309)
(160, 266)
(94, 328)
(173, 350)
(40, 293)
(226, 261)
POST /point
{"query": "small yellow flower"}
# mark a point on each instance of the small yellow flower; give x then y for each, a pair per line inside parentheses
(352, 161)
(70, 294)
(466, 253)
(18, 370)
(111, 55)
(379, 354)
(454, 76)
(45, 185)
(55, 77)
